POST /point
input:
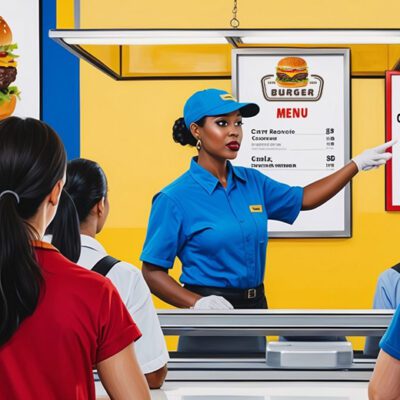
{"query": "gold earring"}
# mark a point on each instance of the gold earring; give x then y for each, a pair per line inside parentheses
(198, 144)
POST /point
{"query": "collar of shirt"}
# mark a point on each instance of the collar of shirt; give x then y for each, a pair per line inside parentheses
(43, 245)
(92, 243)
(207, 180)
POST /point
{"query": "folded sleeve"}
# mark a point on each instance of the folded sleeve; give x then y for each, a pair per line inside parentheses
(282, 202)
(116, 329)
(164, 232)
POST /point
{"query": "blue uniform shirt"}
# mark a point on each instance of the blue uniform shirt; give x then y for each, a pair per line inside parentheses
(390, 342)
(219, 234)
(387, 293)
(387, 297)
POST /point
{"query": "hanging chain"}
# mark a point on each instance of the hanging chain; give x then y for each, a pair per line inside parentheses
(234, 21)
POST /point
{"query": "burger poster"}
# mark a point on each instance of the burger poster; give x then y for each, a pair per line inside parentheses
(19, 59)
(393, 132)
(8, 71)
(302, 132)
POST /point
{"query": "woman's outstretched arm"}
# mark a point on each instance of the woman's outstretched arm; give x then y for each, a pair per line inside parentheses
(319, 192)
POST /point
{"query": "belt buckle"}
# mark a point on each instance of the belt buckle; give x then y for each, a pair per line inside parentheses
(251, 293)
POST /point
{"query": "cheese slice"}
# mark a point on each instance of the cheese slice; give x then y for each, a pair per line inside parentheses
(7, 61)
(291, 74)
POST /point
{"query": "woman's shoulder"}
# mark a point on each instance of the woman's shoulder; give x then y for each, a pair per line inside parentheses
(125, 269)
(389, 277)
(58, 268)
(130, 283)
(177, 185)
(173, 192)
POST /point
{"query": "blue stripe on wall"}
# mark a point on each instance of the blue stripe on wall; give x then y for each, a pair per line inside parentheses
(60, 95)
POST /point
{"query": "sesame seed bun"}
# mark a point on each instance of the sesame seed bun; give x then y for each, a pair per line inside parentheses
(7, 107)
(5, 33)
(292, 63)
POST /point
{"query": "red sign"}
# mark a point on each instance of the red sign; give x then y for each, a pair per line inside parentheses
(393, 132)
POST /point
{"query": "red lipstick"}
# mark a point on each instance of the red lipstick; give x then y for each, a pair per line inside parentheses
(234, 146)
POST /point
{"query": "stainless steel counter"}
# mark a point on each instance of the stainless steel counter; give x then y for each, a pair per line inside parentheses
(274, 322)
(256, 391)
(238, 378)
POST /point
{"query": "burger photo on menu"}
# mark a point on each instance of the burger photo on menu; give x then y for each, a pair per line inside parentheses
(292, 72)
(8, 71)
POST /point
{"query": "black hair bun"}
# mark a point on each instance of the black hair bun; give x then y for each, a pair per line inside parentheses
(181, 134)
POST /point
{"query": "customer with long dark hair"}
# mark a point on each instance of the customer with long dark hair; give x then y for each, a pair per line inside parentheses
(80, 217)
(57, 320)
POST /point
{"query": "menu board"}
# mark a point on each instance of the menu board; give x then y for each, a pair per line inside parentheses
(393, 132)
(302, 132)
(22, 19)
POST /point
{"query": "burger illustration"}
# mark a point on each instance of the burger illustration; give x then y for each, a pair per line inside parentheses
(8, 71)
(292, 72)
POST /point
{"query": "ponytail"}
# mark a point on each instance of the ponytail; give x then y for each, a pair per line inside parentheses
(86, 185)
(32, 161)
(65, 228)
(20, 275)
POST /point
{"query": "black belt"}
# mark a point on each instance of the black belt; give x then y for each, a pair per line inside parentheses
(246, 294)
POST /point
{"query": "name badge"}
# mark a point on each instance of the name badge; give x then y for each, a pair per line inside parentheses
(257, 208)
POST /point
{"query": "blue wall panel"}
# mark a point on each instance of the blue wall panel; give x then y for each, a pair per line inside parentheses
(60, 106)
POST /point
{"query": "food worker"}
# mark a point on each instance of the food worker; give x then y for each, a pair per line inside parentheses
(82, 213)
(214, 217)
(385, 380)
(387, 297)
(57, 319)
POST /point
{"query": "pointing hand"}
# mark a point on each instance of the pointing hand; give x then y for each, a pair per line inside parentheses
(373, 158)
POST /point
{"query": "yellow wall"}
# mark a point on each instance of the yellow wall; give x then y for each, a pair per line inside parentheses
(126, 127)
(251, 13)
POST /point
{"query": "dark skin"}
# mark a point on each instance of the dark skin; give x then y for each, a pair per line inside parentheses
(215, 135)
(156, 378)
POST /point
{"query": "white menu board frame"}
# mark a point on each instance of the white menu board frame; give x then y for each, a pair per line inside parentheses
(393, 132)
(306, 117)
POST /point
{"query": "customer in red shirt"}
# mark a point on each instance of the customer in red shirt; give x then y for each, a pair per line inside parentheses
(57, 320)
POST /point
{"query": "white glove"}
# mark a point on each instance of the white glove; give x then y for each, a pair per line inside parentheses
(212, 303)
(373, 158)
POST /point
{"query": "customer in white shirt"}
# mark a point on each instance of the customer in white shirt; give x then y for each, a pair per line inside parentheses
(81, 215)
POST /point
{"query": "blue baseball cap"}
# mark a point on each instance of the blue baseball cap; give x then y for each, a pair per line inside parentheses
(212, 102)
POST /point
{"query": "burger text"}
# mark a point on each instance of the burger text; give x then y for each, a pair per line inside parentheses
(292, 92)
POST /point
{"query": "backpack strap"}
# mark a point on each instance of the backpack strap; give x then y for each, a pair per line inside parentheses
(397, 267)
(104, 265)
